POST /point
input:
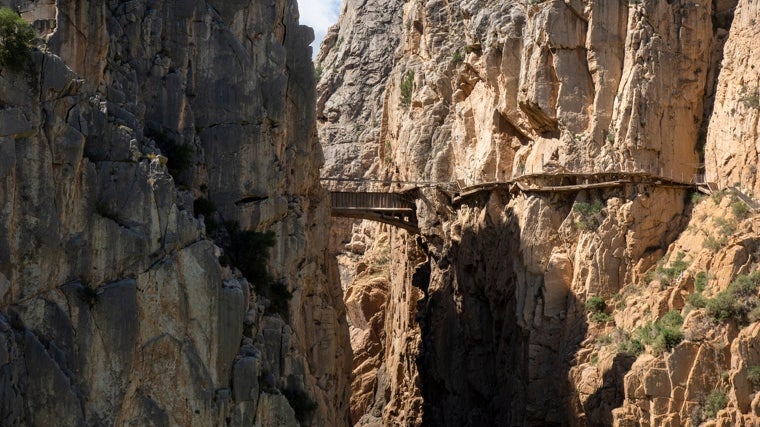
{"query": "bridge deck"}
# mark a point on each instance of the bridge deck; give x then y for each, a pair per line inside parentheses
(371, 200)
(389, 208)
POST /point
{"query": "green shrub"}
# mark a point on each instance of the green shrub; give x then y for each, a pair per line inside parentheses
(301, 403)
(726, 227)
(212, 227)
(407, 86)
(700, 281)
(716, 401)
(671, 319)
(279, 299)
(697, 300)
(750, 99)
(668, 332)
(631, 347)
(667, 340)
(739, 301)
(677, 266)
(722, 308)
(180, 157)
(207, 208)
(664, 334)
(753, 376)
(740, 209)
(16, 36)
(713, 243)
(601, 317)
(318, 73)
(458, 58)
(603, 339)
(590, 213)
(717, 196)
(589, 209)
(754, 315)
(249, 251)
(697, 197)
(745, 285)
(596, 304)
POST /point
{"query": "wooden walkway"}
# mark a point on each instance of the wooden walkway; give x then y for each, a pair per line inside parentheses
(569, 182)
(389, 208)
(399, 210)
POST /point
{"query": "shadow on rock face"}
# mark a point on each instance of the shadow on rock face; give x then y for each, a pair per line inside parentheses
(496, 344)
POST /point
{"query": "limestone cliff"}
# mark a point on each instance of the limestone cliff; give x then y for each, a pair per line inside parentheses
(548, 308)
(117, 306)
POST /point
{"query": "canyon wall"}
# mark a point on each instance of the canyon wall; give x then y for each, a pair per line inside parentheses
(138, 132)
(583, 307)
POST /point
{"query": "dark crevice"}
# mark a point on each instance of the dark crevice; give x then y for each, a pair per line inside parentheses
(251, 199)
(721, 20)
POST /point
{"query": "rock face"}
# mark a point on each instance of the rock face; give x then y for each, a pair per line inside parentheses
(116, 306)
(356, 60)
(490, 300)
(730, 153)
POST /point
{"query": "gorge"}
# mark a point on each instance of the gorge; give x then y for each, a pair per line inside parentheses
(566, 193)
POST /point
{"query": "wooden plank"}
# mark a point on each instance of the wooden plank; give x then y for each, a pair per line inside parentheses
(370, 200)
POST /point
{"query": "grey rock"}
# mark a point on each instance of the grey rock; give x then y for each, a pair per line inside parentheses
(232, 307)
(7, 156)
(13, 122)
(50, 399)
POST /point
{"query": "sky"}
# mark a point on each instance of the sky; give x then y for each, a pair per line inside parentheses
(318, 14)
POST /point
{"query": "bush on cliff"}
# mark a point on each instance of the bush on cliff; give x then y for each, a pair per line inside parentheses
(753, 376)
(716, 401)
(249, 251)
(207, 208)
(591, 214)
(666, 275)
(739, 301)
(664, 334)
(180, 157)
(595, 304)
(16, 36)
(407, 86)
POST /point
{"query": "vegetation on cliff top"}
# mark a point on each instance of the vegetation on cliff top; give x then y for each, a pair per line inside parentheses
(16, 36)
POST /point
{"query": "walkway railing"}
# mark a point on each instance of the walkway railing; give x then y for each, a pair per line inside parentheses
(522, 174)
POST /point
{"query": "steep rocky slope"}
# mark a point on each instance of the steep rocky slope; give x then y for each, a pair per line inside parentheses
(548, 308)
(117, 307)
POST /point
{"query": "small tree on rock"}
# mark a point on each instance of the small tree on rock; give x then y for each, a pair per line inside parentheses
(16, 36)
